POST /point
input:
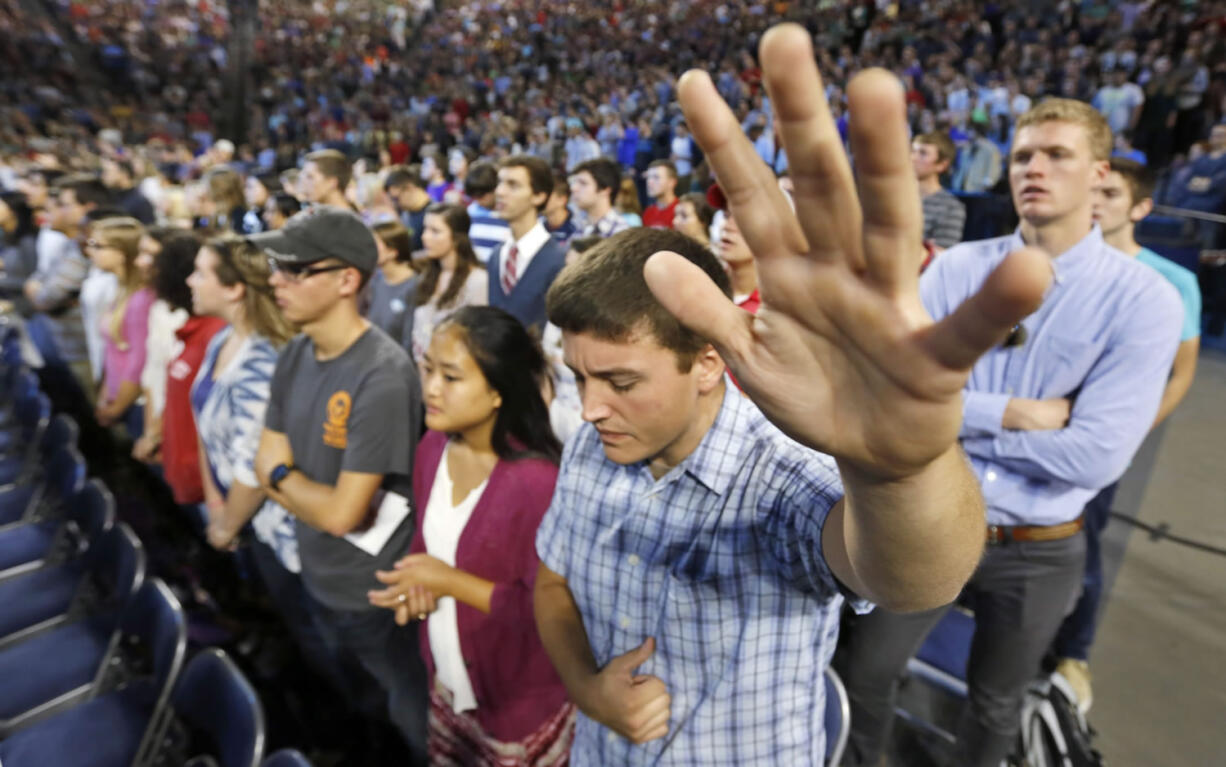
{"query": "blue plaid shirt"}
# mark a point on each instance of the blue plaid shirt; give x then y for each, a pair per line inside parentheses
(719, 560)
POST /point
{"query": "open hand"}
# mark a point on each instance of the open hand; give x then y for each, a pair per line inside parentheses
(636, 706)
(841, 355)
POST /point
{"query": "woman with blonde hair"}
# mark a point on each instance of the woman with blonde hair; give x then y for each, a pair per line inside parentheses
(627, 202)
(225, 200)
(114, 246)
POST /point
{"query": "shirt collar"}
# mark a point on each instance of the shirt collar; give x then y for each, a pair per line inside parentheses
(715, 461)
(1073, 260)
(532, 241)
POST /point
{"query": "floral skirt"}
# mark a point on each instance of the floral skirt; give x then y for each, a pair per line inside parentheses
(457, 740)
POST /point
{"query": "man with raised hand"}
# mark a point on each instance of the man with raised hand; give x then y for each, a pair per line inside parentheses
(695, 559)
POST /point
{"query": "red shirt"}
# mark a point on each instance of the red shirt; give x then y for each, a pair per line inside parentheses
(180, 458)
(660, 218)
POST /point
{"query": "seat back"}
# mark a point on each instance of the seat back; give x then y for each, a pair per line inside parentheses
(286, 757)
(221, 709)
(62, 430)
(66, 473)
(837, 718)
(155, 620)
(93, 514)
(948, 646)
(118, 566)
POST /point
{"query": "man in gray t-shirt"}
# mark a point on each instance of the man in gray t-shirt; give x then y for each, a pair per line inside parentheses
(343, 419)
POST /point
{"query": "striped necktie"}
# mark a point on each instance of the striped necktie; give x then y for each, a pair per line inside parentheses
(510, 274)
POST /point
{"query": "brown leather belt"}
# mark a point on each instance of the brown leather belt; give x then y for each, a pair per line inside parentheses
(998, 534)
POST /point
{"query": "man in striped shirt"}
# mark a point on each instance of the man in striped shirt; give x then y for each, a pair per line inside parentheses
(488, 231)
(944, 214)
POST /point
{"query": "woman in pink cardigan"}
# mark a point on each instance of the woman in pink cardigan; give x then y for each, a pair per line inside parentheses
(483, 477)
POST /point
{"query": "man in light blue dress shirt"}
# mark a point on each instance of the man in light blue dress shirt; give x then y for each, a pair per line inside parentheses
(695, 556)
(1051, 416)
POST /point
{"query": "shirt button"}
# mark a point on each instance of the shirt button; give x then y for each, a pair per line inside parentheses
(990, 476)
(625, 622)
(633, 559)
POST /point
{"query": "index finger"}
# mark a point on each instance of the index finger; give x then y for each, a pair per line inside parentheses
(754, 197)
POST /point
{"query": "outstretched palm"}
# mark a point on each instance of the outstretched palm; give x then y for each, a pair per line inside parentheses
(841, 355)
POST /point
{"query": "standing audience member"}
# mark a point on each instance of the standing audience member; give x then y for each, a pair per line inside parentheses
(530, 260)
(628, 204)
(257, 190)
(452, 276)
(1203, 187)
(739, 261)
(435, 178)
(1121, 201)
(120, 178)
(325, 176)
(113, 247)
(662, 189)
(944, 214)
(1050, 417)
(557, 217)
(592, 186)
(565, 407)
(694, 216)
(164, 320)
(408, 192)
(278, 209)
(489, 230)
(225, 201)
(75, 199)
(18, 243)
(393, 285)
(327, 455)
(483, 477)
(180, 445)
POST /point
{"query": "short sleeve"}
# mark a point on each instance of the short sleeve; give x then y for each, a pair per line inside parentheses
(274, 416)
(1189, 291)
(553, 534)
(380, 434)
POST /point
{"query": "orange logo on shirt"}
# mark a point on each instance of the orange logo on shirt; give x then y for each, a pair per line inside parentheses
(335, 432)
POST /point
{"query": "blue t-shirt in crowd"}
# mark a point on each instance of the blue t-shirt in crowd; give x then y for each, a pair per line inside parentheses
(1185, 282)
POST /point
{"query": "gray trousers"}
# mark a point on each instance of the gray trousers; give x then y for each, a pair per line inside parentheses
(1020, 594)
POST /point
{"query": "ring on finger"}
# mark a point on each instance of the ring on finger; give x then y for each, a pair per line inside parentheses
(403, 598)
(421, 616)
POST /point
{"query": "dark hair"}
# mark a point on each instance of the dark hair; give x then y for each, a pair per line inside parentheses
(287, 204)
(481, 180)
(666, 165)
(269, 179)
(561, 185)
(540, 177)
(395, 236)
(584, 244)
(702, 208)
(605, 293)
(458, 221)
(1140, 179)
(514, 366)
(172, 265)
(603, 171)
(50, 176)
(89, 190)
(401, 175)
(26, 226)
(333, 164)
(125, 166)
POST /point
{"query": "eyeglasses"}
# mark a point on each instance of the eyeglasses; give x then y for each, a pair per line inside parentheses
(96, 244)
(299, 272)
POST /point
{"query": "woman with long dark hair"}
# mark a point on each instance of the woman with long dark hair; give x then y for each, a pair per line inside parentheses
(18, 243)
(483, 478)
(452, 277)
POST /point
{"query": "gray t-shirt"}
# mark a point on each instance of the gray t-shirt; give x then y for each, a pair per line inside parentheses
(358, 412)
(391, 307)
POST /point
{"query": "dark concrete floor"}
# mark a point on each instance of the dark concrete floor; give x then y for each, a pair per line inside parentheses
(1159, 663)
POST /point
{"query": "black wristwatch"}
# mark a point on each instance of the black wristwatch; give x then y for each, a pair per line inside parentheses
(278, 474)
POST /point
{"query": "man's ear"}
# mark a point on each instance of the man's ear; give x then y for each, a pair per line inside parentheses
(1141, 209)
(709, 367)
(351, 282)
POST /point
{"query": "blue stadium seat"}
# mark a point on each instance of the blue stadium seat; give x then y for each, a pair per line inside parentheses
(21, 441)
(103, 580)
(62, 430)
(44, 499)
(121, 726)
(286, 757)
(940, 665)
(33, 545)
(837, 718)
(217, 706)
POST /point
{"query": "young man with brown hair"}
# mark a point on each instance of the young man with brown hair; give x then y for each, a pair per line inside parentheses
(662, 189)
(525, 266)
(593, 185)
(324, 177)
(695, 559)
(932, 154)
(1050, 417)
(408, 192)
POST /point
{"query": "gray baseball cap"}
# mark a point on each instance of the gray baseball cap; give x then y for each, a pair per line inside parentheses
(319, 232)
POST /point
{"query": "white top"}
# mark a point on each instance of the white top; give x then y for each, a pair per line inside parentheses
(98, 292)
(444, 526)
(476, 292)
(161, 347)
(529, 245)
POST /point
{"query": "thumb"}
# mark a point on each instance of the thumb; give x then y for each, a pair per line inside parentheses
(689, 294)
(384, 576)
(638, 656)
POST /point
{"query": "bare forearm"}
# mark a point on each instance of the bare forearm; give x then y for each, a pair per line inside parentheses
(242, 502)
(323, 507)
(562, 633)
(913, 543)
(474, 591)
(1182, 373)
